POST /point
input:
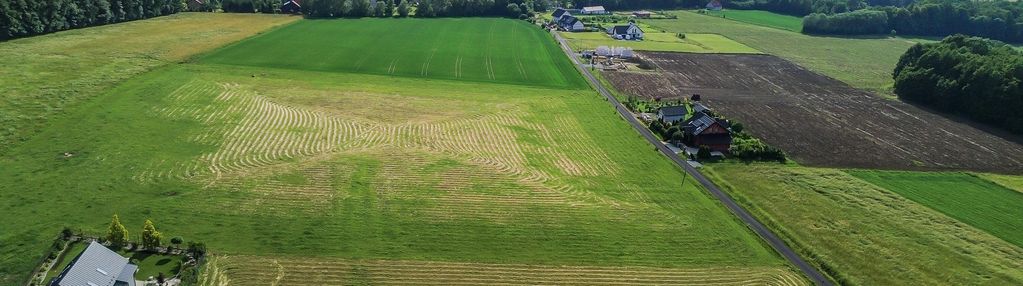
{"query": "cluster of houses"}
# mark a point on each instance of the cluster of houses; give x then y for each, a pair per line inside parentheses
(700, 129)
(563, 19)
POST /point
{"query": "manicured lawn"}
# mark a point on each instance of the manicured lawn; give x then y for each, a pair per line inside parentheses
(975, 201)
(152, 264)
(762, 18)
(286, 167)
(663, 42)
(865, 63)
(65, 259)
(472, 49)
(866, 235)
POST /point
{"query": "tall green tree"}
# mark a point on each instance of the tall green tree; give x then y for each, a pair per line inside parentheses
(150, 236)
(389, 8)
(403, 9)
(117, 234)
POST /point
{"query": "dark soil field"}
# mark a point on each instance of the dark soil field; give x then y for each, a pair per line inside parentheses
(820, 121)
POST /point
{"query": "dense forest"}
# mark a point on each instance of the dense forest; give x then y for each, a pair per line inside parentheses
(973, 77)
(614, 5)
(20, 18)
(1000, 20)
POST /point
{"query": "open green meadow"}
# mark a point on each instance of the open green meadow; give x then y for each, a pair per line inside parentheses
(303, 165)
(661, 42)
(469, 49)
(863, 234)
(762, 18)
(965, 197)
(865, 63)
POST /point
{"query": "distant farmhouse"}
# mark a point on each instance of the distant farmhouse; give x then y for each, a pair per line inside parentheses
(626, 32)
(704, 130)
(558, 13)
(714, 5)
(291, 7)
(97, 266)
(571, 24)
(593, 10)
(672, 113)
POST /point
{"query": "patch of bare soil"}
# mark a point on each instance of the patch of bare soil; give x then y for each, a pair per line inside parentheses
(820, 121)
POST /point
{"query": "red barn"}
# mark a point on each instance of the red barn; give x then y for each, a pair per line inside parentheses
(705, 130)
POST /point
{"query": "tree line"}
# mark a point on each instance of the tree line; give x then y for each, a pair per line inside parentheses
(999, 19)
(21, 18)
(973, 77)
(421, 8)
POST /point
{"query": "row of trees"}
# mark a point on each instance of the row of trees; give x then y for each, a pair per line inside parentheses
(636, 4)
(999, 19)
(973, 77)
(798, 7)
(860, 22)
(422, 8)
(118, 236)
(20, 18)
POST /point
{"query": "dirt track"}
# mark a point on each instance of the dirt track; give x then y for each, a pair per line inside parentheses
(820, 121)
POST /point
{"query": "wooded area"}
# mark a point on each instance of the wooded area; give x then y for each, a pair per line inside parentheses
(968, 76)
(1000, 20)
(20, 18)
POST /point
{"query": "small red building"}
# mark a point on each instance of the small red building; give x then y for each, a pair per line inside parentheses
(704, 130)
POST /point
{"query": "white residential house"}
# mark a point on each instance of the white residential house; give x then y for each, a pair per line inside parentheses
(558, 14)
(571, 24)
(593, 10)
(626, 32)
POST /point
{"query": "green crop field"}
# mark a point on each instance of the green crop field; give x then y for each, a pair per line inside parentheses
(970, 199)
(762, 18)
(298, 165)
(866, 235)
(865, 63)
(471, 49)
(662, 42)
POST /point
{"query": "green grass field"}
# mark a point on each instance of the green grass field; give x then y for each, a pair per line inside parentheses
(762, 18)
(662, 42)
(470, 49)
(327, 174)
(869, 235)
(865, 63)
(970, 199)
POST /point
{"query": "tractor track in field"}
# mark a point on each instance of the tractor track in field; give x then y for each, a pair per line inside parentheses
(762, 231)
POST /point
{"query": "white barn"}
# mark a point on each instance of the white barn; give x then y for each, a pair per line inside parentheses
(593, 10)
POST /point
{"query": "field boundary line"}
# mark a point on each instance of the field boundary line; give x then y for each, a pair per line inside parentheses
(762, 231)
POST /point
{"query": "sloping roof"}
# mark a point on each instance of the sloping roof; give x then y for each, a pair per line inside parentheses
(128, 274)
(568, 21)
(698, 107)
(593, 8)
(673, 110)
(286, 2)
(700, 122)
(558, 12)
(96, 266)
(622, 29)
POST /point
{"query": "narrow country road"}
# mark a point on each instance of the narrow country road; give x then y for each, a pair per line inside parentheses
(732, 206)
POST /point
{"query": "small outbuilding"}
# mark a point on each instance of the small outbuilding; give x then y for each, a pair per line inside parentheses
(593, 10)
(626, 32)
(672, 113)
(642, 14)
(97, 265)
(291, 7)
(704, 130)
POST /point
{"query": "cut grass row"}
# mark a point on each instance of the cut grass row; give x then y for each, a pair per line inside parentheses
(862, 234)
(865, 63)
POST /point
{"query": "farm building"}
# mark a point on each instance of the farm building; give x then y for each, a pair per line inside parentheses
(705, 130)
(714, 5)
(291, 7)
(672, 113)
(196, 5)
(626, 32)
(571, 24)
(558, 14)
(642, 14)
(698, 107)
(97, 266)
(593, 10)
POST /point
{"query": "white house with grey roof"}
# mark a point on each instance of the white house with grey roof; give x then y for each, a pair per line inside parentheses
(97, 266)
(626, 32)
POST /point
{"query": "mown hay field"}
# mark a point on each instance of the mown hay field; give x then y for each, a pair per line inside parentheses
(965, 197)
(43, 76)
(762, 18)
(468, 49)
(863, 234)
(332, 177)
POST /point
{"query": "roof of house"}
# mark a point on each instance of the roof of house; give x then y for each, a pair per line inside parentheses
(673, 110)
(97, 266)
(622, 29)
(700, 122)
(642, 12)
(569, 20)
(286, 2)
(593, 8)
(558, 12)
(698, 107)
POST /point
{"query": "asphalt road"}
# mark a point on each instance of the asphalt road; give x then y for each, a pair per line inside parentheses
(732, 206)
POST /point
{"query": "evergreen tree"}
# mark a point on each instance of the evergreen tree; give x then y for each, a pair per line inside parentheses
(389, 8)
(150, 236)
(117, 234)
(403, 9)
